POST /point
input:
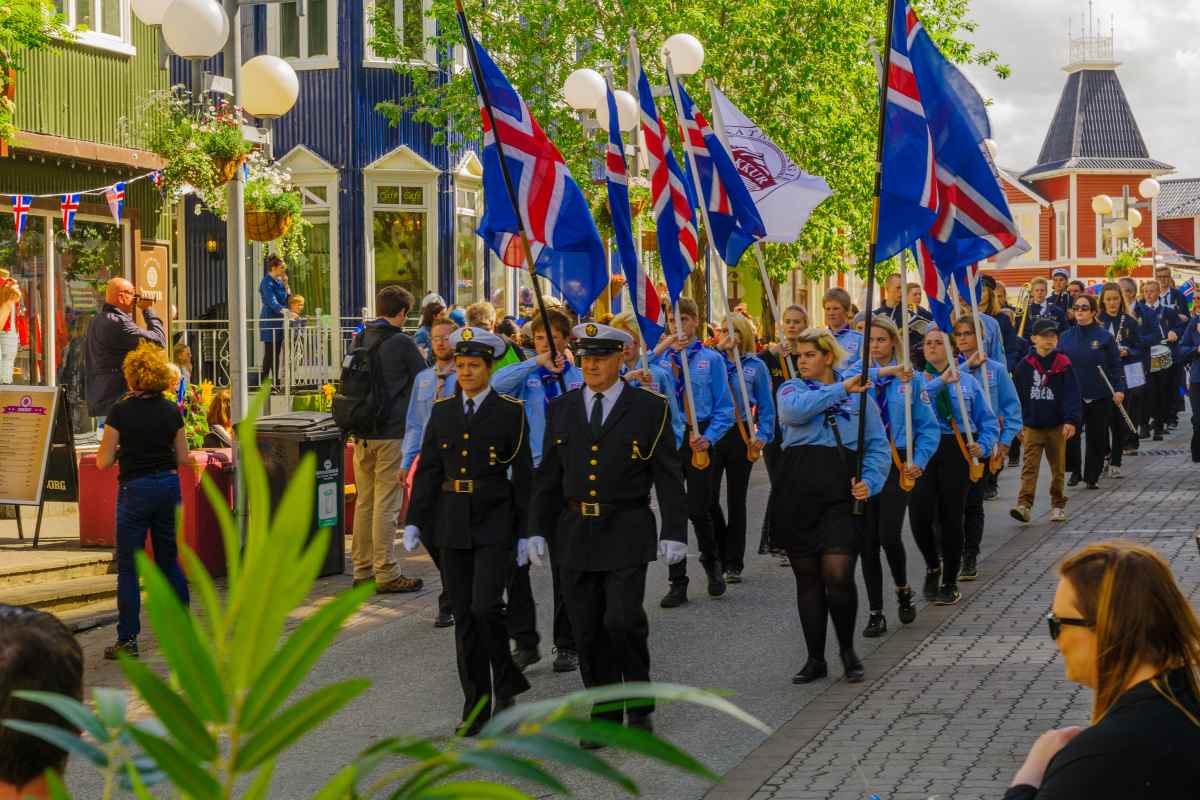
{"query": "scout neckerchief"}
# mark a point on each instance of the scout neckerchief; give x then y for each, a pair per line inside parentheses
(838, 409)
(677, 366)
(550, 386)
(942, 402)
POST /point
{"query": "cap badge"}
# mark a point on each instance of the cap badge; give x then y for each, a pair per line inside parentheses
(591, 329)
(467, 335)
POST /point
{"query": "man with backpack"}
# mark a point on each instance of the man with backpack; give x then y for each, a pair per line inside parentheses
(370, 406)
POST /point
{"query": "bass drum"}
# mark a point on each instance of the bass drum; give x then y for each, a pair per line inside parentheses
(1160, 358)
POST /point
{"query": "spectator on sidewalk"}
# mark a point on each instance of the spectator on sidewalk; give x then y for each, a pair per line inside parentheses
(220, 425)
(144, 437)
(378, 454)
(1050, 412)
(274, 291)
(432, 307)
(37, 653)
(1126, 631)
(112, 335)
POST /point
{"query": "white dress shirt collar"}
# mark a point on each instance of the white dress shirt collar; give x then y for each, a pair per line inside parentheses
(610, 398)
(479, 398)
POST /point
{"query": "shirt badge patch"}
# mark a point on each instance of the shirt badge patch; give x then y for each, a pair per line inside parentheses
(533, 383)
(787, 390)
(1095, 344)
(702, 365)
(749, 371)
(925, 397)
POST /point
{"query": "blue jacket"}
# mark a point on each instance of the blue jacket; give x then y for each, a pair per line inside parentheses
(1091, 348)
(984, 425)
(664, 384)
(1189, 349)
(714, 405)
(758, 384)
(1048, 391)
(1048, 310)
(1014, 346)
(1003, 394)
(802, 418)
(524, 381)
(420, 405)
(851, 340)
(1157, 321)
(926, 433)
(1125, 330)
(274, 302)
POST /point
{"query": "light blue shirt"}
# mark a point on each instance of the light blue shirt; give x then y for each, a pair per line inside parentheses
(713, 403)
(522, 381)
(758, 384)
(851, 342)
(1006, 405)
(983, 422)
(420, 406)
(802, 420)
(664, 383)
(993, 339)
(926, 432)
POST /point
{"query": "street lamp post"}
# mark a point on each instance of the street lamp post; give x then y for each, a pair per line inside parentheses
(1122, 224)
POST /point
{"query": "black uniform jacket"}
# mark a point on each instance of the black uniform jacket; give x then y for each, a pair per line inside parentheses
(635, 450)
(475, 457)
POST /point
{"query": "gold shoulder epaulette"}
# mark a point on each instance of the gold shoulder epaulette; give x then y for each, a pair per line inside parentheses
(648, 390)
(512, 399)
(443, 399)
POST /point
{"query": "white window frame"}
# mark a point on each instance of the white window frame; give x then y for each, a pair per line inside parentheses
(113, 43)
(1062, 250)
(304, 62)
(471, 184)
(429, 26)
(428, 181)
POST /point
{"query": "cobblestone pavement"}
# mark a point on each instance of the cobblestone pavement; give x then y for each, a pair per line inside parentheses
(955, 718)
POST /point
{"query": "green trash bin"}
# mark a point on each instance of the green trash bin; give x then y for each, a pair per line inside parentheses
(283, 439)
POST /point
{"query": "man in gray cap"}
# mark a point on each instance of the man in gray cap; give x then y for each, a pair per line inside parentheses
(606, 445)
(1059, 294)
(463, 490)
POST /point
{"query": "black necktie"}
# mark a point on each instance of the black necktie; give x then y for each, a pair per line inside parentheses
(597, 419)
(470, 409)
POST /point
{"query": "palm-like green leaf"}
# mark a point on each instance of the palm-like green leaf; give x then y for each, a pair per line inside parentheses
(71, 710)
(136, 785)
(473, 790)
(295, 721)
(230, 538)
(111, 705)
(340, 786)
(505, 764)
(261, 784)
(569, 754)
(632, 739)
(58, 790)
(60, 738)
(187, 776)
(171, 710)
(292, 662)
(202, 583)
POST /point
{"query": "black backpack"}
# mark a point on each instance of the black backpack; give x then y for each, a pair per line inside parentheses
(359, 403)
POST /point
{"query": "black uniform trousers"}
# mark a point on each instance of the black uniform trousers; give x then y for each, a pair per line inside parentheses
(699, 508)
(941, 496)
(1194, 397)
(435, 553)
(772, 455)
(729, 460)
(521, 618)
(1118, 432)
(611, 630)
(477, 579)
(973, 514)
(885, 521)
(1086, 458)
(1159, 387)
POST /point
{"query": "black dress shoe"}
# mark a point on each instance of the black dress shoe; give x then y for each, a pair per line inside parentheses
(445, 619)
(675, 596)
(933, 580)
(969, 570)
(716, 580)
(905, 609)
(526, 658)
(854, 666)
(1075, 479)
(814, 669)
(566, 660)
(876, 625)
(642, 722)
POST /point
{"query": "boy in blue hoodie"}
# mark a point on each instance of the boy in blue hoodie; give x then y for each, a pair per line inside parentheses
(1050, 409)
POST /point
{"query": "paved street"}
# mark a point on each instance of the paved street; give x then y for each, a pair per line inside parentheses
(950, 706)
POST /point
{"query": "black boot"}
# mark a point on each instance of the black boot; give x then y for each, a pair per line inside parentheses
(676, 595)
(876, 625)
(969, 570)
(716, 579)
(814, 669)
(854, 666)
(905, 610)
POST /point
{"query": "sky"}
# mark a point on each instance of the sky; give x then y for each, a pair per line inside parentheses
(1157, 44)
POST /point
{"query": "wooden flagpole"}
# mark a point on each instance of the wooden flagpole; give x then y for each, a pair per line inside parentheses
(526, 252)
(907, 350)
(962, 402)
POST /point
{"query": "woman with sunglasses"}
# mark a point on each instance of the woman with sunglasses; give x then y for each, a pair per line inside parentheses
(1092, 350)
(1126, 631)
(812, 502)
(1116, 317)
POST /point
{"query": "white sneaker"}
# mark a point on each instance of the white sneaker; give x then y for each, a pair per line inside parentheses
(1114, 472)
(1058, 515)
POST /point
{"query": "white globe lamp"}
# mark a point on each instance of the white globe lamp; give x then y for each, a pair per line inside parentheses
(195, 28)
(150, 12)
(1120, 228)
(1102, 204)
(1135, 218)
(1149, 188)
(627, 111)
(269, 87)
(686, 52)
(584, 89)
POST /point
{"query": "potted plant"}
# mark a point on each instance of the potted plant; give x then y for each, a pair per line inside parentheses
(272, 206)
(1126, 261)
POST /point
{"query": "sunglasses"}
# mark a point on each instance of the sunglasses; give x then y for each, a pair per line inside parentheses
(1056, 624)
(1083, 308)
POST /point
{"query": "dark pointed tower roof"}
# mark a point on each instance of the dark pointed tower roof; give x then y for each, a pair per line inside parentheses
(1094, 127)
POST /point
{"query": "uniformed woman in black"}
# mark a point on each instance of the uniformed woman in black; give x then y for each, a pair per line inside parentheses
(464, 490)
(607, 444)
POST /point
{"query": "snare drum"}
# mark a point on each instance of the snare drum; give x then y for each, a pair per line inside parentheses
(1160, 358)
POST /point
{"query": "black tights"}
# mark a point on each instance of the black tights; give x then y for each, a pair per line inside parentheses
(885, 520)
(825, 588)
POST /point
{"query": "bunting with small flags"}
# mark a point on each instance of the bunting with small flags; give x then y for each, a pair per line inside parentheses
(115, 197)
(68, 204)
(21, 205)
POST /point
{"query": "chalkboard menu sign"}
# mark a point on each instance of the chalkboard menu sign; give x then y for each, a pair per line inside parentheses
(27, 423)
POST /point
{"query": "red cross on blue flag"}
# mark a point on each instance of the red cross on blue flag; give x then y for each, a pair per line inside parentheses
(21, 206)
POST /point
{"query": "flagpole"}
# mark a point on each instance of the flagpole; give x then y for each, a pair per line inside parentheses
(527, 253)
(860, 506)
(907, 350)
(962, 402)
(691, 159)
(987, 392)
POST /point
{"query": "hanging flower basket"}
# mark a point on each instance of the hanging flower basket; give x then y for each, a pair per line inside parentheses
(266, 226)
(227, 169)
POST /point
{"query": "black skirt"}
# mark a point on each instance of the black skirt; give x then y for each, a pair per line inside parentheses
(810, 505)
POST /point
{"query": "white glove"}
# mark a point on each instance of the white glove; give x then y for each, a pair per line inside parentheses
(522, 552)
(537, 550)
(412, 538)
(671, 551)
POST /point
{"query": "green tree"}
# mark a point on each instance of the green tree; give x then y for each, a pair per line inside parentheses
(805, 72)
(25, 25)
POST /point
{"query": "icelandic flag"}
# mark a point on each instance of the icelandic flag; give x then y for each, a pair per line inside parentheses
(937, 175)
(967, 279)
(784, 194)
(731, 211)
(646, 306)
(676, 227)
(566, 248)
(21, 206)
(1188, 290)
(68, 204)
(1096, 288)
(115, 196)
(940, 304)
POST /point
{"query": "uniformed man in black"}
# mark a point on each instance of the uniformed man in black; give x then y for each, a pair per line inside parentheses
(607, 444)
(463, 489)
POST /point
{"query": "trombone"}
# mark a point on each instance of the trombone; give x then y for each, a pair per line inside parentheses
(1023, 299)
